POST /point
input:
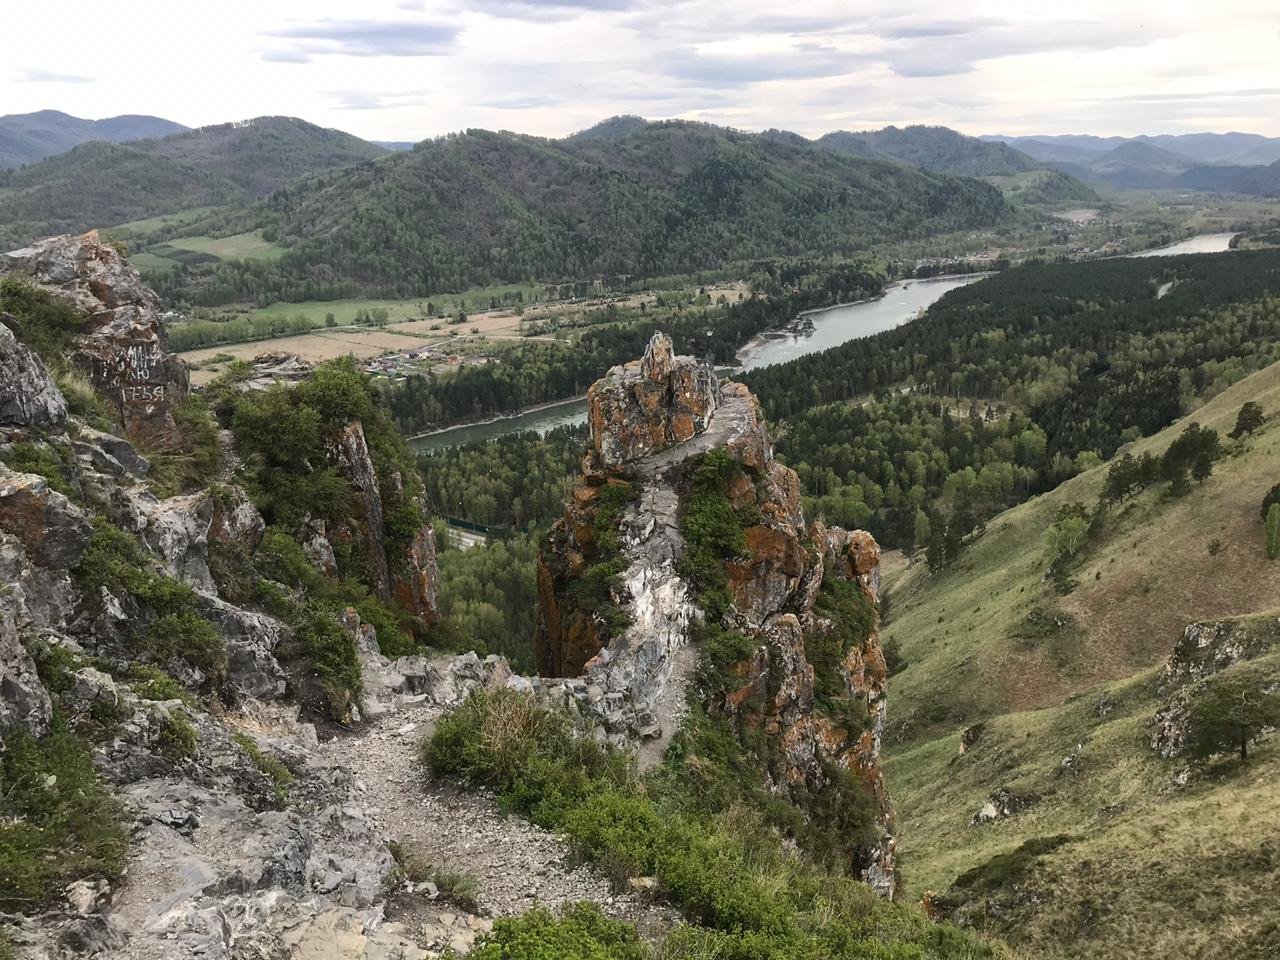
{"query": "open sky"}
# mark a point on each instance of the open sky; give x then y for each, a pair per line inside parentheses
(408, 69)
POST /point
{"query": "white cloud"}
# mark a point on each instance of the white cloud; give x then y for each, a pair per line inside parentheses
(405, 69)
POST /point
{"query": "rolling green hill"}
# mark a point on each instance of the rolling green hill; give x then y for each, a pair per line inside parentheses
(1257, 181)
(263, 154)
(98, 184)
(933, 148)
(666, 197)
(101, 185)
(1058, 691)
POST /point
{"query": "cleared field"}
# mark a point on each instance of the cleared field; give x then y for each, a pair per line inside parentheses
(239, 246)
(315, 346)
(344, 311)
(164, 220)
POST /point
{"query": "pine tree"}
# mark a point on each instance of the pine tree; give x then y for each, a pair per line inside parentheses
(1272, 528)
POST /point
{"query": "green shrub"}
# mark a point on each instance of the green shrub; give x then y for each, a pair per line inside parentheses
(42, 460)
(1271, 528)
(85, 402)
(115, 561)
(193, 461)
(281, 776)
(852, 617)
(1234, 706)
(713, 532)
(583, 933)
(728, 870)
(623, 834)
(187, 636)
(150, 683)
(177, 739)
(57, 821)
(44, 322)
(393, 640)
(329, 651)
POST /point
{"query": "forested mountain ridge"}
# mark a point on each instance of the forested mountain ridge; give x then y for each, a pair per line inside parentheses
(265, 153)
(101, 183)
(1257, 181)
(30, 137)
(933, 148)
(666, 198)
(1246, 149)
(98, 184)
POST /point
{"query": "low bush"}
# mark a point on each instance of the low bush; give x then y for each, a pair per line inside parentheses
(729, 871)
(42, 460)
(115, 561)
(192, 462)
(713, 531)
(58, 823)
(176, 739)
(281, 776)
(582, 933)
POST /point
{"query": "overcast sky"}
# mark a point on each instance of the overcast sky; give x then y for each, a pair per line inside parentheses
(409, 69)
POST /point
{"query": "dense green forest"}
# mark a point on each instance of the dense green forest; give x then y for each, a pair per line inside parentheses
(510, 481)
(1015, 384)
(538, 372)
(933, 148)
(98, 184)
(265, 153)
(1091, 349)
(477, 207)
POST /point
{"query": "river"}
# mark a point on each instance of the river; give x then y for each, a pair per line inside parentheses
(832, 326)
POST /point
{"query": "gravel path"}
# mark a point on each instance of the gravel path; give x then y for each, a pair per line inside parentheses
(517, 865)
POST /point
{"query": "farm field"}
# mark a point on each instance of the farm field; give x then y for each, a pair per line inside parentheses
(239, 246)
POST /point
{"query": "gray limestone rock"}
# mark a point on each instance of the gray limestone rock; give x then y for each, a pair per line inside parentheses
(28, 396)
(24, 702)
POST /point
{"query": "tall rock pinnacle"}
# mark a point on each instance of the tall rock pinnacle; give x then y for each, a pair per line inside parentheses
(619, 609)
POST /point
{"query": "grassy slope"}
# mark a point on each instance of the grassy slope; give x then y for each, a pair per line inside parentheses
(1151, 874)
(1157, 576)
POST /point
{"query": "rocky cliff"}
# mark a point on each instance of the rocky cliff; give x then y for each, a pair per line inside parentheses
(124, 349)
(630, 575)
(234, 833)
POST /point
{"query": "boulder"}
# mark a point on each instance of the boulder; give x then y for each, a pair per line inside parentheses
(28, 396)
(251, 640)
(24, 702)
(235, 522)
(51, 528)
(125, 351)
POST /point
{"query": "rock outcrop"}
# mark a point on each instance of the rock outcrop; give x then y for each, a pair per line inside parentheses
(1205, 649)
(616, 612)
(28, 397)
(124, 351)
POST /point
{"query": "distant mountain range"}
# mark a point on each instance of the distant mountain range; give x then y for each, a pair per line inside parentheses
(30, 137)
(98, 184)
(646, 199)
(626, 195)
(1192, 161)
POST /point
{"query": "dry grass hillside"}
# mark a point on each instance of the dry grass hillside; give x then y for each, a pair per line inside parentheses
(1122, 859)
(971, 650)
